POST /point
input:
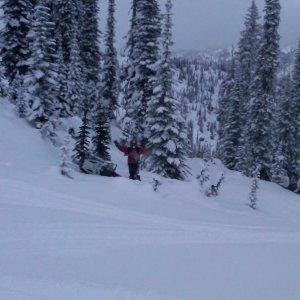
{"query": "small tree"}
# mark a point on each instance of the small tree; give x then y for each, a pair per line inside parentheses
(253, 192)
(82, 142)
(101, 139)
(156, 184)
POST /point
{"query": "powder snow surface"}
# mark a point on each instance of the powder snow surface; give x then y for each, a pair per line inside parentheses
(101, 238)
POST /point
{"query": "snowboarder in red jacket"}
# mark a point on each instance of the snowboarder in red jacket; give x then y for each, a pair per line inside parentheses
(134, 153)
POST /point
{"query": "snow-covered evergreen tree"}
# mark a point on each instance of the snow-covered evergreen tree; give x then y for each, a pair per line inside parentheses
(128, 75)
(40, 84)
(75, 92)
(15, 48)
(65, 168)
(261, 129)
(229, 117)
(101, 139)
(66, 13)
(166, 128)
(288, 125)
(3, 84)
(278, 171)
(247, 64)
(132, 34)
(292, 146)
(110, 64)
(253, 194)
(105, 109)
(90, 52)
(81, 150)
(21, 104)
(203, 178)
(145, 58)
(61, 68)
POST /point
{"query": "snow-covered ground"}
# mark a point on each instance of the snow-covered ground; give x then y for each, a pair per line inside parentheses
(103, 238)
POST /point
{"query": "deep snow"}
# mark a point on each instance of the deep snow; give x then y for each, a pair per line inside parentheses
(103, 238)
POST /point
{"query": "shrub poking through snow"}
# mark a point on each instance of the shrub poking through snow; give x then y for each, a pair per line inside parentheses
(253, 192)
(65, 169)
(203, 178)
(156, 184)
(48, 130)
(210, 179)
(213, 191)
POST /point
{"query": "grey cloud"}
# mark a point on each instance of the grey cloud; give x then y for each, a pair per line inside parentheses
(204, 24)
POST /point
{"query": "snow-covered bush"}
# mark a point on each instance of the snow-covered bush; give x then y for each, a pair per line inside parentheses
(213, 191)
(254, 189)
(156, 184)
(203, 178)
(210, 179)
(253, 194)
(65, 168)
(48, 130)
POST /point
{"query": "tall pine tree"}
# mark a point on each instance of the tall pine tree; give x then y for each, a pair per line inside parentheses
(229, 117)
(261, 129)
(40, 84)
(247, 64)
(288, 129)
(15, 48)
(110, 64)
(128, 75)
(167, 132)
(90, 52)
(145, 56)
(66, 13)
(292, 146)
(74, 99)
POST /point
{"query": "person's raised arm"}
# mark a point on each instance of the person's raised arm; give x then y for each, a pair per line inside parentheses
(144, 150)
(121, 148)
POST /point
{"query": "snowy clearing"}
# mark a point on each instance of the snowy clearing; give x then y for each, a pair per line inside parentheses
(103, 238)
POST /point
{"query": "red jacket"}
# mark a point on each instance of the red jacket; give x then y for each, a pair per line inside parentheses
(134, 154)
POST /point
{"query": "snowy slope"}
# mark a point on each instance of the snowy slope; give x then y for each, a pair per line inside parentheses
(102, 238)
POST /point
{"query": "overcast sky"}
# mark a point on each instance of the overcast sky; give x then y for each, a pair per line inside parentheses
(210, 24)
